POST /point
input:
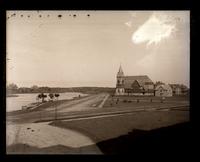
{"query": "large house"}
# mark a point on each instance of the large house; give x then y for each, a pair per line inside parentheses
(179, 89)
(163, 90)
(133, 85)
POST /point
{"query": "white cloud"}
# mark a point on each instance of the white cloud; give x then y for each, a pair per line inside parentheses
(158, 27)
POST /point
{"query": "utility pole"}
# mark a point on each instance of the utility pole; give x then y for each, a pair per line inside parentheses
(56, 95)
(55, 112)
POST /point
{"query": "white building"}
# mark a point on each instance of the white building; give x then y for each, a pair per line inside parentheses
(163, 90)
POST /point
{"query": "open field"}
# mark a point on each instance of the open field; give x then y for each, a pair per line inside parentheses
(89, 104)
(104, 128)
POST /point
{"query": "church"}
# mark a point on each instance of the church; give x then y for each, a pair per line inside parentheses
(133, 85)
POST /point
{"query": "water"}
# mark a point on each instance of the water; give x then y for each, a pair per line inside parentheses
(16, 103)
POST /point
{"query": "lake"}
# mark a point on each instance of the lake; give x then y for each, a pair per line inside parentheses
(16, 103)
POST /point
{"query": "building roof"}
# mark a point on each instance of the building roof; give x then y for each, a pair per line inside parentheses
(141, 79)
(164, 87)
(120, 72)
(181, 86)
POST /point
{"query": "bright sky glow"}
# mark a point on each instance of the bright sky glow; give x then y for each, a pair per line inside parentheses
(156, 28)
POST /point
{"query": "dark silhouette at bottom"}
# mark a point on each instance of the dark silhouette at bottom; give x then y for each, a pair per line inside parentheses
(166, 140)
(172, 139)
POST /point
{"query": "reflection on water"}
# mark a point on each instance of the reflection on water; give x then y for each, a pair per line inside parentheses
(16, 103)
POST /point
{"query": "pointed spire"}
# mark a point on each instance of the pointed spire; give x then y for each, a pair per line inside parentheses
(120, 72)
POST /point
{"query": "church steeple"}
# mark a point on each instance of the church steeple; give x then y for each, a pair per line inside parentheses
(120, 82)
(120, 72)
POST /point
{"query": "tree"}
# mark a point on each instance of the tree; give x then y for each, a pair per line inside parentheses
(159, 83)
(39, 96)
(51, 96)
(42, 96)
(57, 95)
(34, 88)
(12, 86)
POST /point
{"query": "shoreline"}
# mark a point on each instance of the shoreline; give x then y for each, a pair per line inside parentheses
(43, 106)
(33, 104)
(12, 95)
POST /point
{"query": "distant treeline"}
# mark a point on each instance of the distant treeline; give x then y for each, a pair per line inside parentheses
(13, 89)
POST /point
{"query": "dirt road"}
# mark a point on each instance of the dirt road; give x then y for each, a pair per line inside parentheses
(83, 104)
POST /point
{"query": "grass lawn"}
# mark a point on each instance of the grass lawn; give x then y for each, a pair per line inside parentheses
(105, 128)
(145, 101)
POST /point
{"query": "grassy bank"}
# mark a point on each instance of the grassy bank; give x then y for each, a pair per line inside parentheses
(44, 106)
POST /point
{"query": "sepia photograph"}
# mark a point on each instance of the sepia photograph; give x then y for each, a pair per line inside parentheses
(96, 82)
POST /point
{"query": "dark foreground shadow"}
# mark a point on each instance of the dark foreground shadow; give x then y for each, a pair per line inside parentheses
(167, 140)
(172, 139)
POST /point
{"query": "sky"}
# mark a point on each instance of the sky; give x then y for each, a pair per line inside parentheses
(87, 49)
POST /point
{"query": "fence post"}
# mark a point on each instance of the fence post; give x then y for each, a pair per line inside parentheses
(55, 112)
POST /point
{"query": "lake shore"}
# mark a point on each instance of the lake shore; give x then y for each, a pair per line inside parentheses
(43, 106)
(16, 102)
(12, 95)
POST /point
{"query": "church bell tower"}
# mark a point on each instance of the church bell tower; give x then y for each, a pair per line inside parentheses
(120, 82)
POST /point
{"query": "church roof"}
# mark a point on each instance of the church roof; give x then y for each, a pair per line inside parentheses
(120, 72)
(141, 79)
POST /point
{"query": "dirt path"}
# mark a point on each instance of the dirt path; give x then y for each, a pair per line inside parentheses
(42, 135)
(87, 104)
(71, 106)
(104, 100)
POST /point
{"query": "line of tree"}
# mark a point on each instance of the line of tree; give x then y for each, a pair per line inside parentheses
(42, 96)
(13, 88)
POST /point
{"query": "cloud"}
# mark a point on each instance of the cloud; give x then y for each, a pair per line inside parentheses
(158, 27)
